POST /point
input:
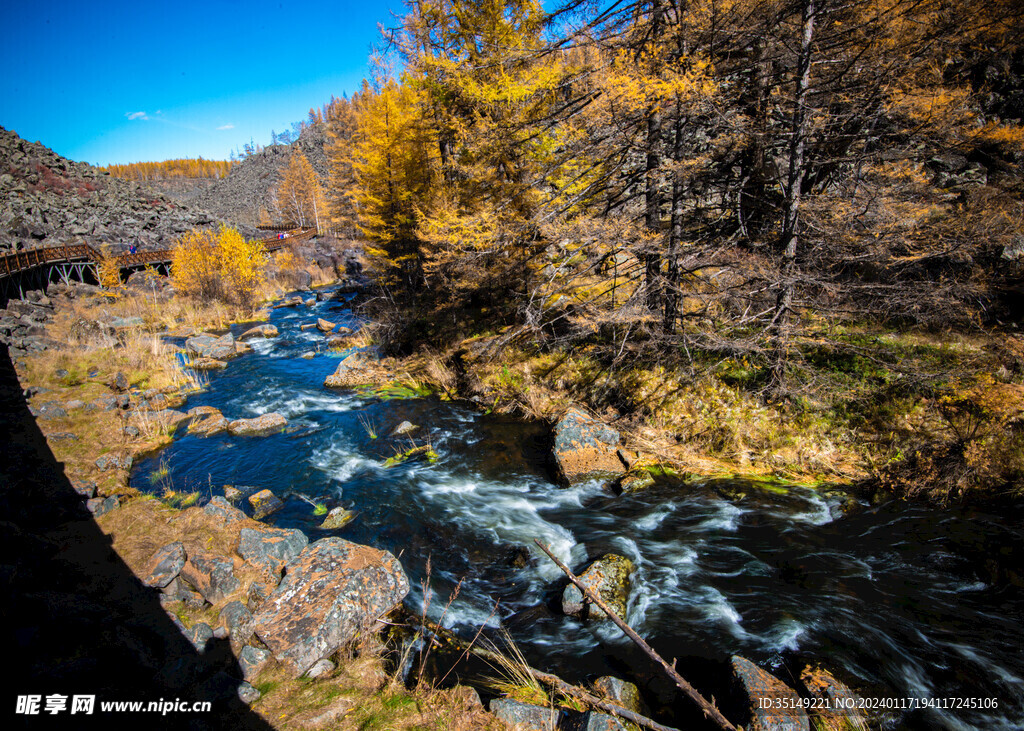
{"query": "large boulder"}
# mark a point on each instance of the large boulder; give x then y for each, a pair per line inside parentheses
(260, 426)
(260, 331)
(211, 346)
(773, 705)
(527, 716)
(838, 708)
(334, 591)
(355, 370)
(325, 325)
(165, 565)
(585, 448)
(223, 511)
(620, 692)
(211, 575)
(608, 577)
(209, 425)
(270, 548)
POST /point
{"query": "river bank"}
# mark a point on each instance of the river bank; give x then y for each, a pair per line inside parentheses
(474, 509)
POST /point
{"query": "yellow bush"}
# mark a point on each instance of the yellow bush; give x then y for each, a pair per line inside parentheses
(108, 270)
(219, 265)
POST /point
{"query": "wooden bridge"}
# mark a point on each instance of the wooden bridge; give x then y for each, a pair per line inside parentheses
(35, 268)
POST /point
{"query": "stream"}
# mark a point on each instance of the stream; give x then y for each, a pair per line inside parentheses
(894, 599)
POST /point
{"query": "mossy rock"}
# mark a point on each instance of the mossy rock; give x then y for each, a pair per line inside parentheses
(608, 577)
(425, 452)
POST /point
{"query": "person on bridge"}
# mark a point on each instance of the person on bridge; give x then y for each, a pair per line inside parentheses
(131, 249)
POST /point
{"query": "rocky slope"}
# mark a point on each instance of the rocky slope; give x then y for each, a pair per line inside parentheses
(241, 195)
(48, 200)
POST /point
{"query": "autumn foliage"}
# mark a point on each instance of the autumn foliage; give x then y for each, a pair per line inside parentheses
(219, 266)
(108, 270)
(300, 197)
(172, 169)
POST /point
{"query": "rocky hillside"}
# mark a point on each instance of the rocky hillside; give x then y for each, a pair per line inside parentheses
(241, 195)
(48, 200)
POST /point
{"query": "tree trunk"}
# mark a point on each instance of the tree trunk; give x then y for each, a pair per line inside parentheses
(671, 291)
(794, 185)
(652, 191)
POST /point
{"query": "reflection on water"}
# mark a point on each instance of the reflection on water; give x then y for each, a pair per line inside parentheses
(896, 599)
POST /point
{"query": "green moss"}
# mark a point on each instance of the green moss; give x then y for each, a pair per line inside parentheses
(424, 451)
(267, 687)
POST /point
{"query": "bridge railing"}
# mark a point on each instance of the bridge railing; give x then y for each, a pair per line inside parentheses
(19, 261)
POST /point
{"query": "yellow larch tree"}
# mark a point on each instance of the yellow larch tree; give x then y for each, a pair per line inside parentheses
(300, 197)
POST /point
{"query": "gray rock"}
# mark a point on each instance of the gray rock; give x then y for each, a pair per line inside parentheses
(212, 346)
(333, 591)
(320, 667)
(247, 694)
(608, 577)
(260, 426)
(165, 565)
(406, 427)
(598, 721)
(264, 503)
(114, 462)
(207, 364)
(260, 331)
(219, 507)
(120, 382)
(252, 660)
(271, 549)
(1014, 251)
(209, 426)
(754, 684)
(199, 635)
(101, 506)
(351, 371)
(211, 575)
(839, 707)
(51, 410)
(618, 691)
(337, 518)
(237, 618)
(585, 448)
(84, 488)
(526, 716)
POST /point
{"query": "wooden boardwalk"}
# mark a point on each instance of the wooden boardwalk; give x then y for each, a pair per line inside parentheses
(70, 262)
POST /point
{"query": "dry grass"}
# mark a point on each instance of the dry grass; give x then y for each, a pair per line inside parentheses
(358, 694)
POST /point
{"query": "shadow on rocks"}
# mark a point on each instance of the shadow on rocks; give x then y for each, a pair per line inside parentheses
(75, 620)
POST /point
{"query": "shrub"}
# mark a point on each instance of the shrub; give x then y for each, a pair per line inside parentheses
(220, 266)
(108, 270)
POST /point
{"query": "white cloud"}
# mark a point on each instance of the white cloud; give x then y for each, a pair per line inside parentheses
(226, 126)
(136, 115)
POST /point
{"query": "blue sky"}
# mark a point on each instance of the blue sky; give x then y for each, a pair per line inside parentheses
(110, 82)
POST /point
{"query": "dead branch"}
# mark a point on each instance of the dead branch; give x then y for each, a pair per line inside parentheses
(709, 709)
(547, 678)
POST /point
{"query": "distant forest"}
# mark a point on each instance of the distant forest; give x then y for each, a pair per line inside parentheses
(172, 169)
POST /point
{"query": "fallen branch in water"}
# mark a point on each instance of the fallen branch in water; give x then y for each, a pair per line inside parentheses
(709, 709)
(547, 678)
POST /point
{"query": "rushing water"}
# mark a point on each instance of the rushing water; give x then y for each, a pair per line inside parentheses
(891, 598)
